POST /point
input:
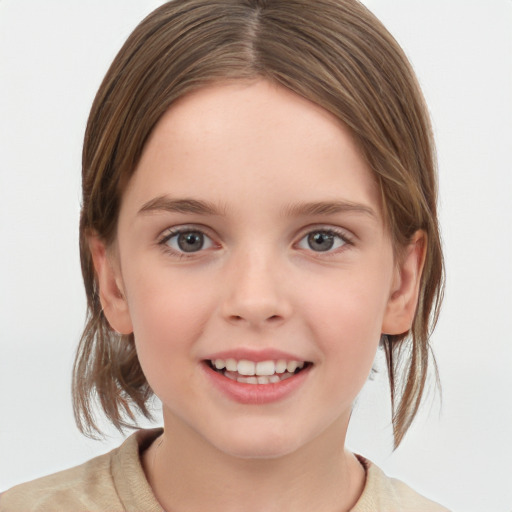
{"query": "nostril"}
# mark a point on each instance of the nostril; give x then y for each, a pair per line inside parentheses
(240, 318)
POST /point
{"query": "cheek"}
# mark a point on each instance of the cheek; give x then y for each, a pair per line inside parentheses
(347, 320)
(163, 298)
(168, 313)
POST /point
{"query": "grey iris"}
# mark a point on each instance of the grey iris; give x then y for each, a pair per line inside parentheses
(190, 241)
(321, 241)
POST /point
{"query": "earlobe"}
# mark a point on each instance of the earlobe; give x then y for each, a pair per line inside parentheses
(403, 300)
(109, 281)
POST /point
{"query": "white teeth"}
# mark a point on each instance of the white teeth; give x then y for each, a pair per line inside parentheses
(281, 366)
(292, 366)
(252, 379)
(246, 367)
(231, 365)
(261, 372)
(248, 380)
(219, 364)
(265, 368)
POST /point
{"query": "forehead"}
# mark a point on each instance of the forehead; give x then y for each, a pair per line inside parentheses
(247, 140)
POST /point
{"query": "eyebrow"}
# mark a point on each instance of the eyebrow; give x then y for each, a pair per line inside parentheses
(199, 207)
(168, 204)
(328, 208)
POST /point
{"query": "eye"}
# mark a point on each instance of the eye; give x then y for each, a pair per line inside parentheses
(187, 241)
(322, 240)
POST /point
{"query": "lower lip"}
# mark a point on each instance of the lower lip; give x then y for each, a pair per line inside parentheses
(256, 393)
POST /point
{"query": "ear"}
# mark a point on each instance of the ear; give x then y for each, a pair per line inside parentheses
(112, 298)
(403, 300)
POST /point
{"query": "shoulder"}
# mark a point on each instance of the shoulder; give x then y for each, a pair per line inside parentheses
(87, 486)
(63, 489)
(384, 494)
(92, 486)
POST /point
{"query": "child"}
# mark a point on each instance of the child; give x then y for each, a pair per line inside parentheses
(259, 214)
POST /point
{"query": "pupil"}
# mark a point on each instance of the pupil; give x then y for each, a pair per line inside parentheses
(190, 242)
(320, 241)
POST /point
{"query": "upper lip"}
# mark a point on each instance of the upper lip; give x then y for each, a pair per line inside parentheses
(256, 355)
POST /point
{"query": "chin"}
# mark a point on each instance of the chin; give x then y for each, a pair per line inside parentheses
(257, 445)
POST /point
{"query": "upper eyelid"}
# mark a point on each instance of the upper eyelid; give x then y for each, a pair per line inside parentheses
(176, 230)
(342, 236)
(337, 230)
(170, 233)
(343, 233)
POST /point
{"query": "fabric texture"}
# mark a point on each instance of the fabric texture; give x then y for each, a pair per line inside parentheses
(115, 482)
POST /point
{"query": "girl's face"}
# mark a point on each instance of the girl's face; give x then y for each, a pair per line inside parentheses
(251, 236)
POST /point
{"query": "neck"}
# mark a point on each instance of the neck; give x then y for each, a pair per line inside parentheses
(192, 475)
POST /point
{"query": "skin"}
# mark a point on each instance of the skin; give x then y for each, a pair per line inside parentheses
(255, 151)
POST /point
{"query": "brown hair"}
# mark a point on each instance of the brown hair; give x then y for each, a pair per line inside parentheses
(332, 52)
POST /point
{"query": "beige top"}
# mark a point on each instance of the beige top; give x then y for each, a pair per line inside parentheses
(115, 482)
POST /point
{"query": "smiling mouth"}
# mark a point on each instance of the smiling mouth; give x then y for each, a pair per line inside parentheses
(261, 372)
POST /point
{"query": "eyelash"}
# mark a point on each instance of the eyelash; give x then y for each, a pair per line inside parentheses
(338, 233)
(172, 232)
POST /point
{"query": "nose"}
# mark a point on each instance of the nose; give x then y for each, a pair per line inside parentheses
(255, 291)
